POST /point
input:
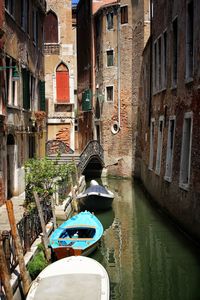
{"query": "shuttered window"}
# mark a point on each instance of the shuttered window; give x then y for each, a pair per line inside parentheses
(87, 100)
(51, 28)
(62, 83)
(124, 14)
(42, 95)
(26, 88)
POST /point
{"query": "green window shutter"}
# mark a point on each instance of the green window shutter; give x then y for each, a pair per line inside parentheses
(42, 95)
(26, 89)
(87, 100)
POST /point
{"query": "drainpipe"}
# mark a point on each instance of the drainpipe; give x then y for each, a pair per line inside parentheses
(119, 68)
(93, 74)
(151, 58)
(115, 128)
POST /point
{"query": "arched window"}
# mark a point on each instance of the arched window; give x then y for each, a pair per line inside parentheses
(51, 28)
(62, 83)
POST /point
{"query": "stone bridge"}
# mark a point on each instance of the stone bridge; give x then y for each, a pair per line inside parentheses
(90, 160)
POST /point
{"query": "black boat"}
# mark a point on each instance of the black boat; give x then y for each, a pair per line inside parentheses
(95, 198)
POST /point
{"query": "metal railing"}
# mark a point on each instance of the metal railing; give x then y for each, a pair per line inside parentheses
(29, 228)
(57, 147)
(92, 149)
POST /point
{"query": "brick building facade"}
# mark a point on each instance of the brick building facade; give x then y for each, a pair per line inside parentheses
(22, 75)
(113, 101)
(169, 112)
(60, 71)
(85, 72)
(2, 107)
(121, 31)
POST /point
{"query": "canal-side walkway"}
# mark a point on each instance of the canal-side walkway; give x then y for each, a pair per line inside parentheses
(18, 202)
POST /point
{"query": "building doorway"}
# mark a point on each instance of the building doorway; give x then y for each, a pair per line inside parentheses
(11, 165)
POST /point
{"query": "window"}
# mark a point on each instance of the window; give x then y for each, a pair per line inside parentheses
(159, 144)
(186, 151)
(109, 93)
(170, 149)
(159, 63)
(62, 83)
(9, 5)
(51, 28)
(155, 66)
(109, 18)
(11, 85)
(152, 133)
(23, 19)
(175, 51)
(110, 58)
(27, 17)
(33, 93)
(189, 40)
(98, 63)
(164, 59)
(124, 14)
(35, 25)
(97, 109)
(26, 88)
(41, 88)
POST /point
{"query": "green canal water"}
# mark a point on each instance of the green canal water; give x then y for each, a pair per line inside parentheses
(146, 257)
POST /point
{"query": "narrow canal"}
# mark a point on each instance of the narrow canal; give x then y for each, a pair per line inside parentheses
(145, 256)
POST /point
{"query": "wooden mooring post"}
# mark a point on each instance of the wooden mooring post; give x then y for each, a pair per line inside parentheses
(4, 273)
(45, 238)
(19, 250)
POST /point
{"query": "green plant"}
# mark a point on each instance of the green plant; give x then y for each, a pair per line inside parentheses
(37, 264)
(44, 176)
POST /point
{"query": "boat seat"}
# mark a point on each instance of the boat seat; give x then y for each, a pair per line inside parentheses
(74, 239)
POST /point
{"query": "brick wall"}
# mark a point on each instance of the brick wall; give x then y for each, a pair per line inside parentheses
(181, 201)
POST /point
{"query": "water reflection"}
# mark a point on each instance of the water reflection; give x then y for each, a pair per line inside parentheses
(144, 255)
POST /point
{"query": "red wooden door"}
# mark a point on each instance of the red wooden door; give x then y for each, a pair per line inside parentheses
(62, 86)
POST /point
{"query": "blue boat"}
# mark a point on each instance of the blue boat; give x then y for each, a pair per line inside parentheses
(76, 236)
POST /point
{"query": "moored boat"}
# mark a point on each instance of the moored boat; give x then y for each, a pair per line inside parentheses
(95, 198)
(75, 277)
(76, 236)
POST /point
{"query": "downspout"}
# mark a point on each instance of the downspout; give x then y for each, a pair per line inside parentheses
(93, 75)
(151, 59)
(118, 69)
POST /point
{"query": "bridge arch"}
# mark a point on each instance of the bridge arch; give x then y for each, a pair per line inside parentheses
(91, 161)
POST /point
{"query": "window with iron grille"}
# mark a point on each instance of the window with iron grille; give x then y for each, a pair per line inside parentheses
(109, 93)
(110, 58)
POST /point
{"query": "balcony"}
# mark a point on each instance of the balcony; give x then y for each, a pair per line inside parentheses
(51, 49)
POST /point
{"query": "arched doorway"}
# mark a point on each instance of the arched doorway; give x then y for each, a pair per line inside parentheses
(62, 84)
(11, 165)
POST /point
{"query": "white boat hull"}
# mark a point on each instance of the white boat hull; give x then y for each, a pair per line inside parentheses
(71, 278)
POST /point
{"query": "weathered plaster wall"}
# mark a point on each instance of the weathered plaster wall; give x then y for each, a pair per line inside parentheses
(183, 204)
(66, 54)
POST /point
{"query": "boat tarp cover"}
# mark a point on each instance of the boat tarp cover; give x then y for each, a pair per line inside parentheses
(69, 287)
(96, 189)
